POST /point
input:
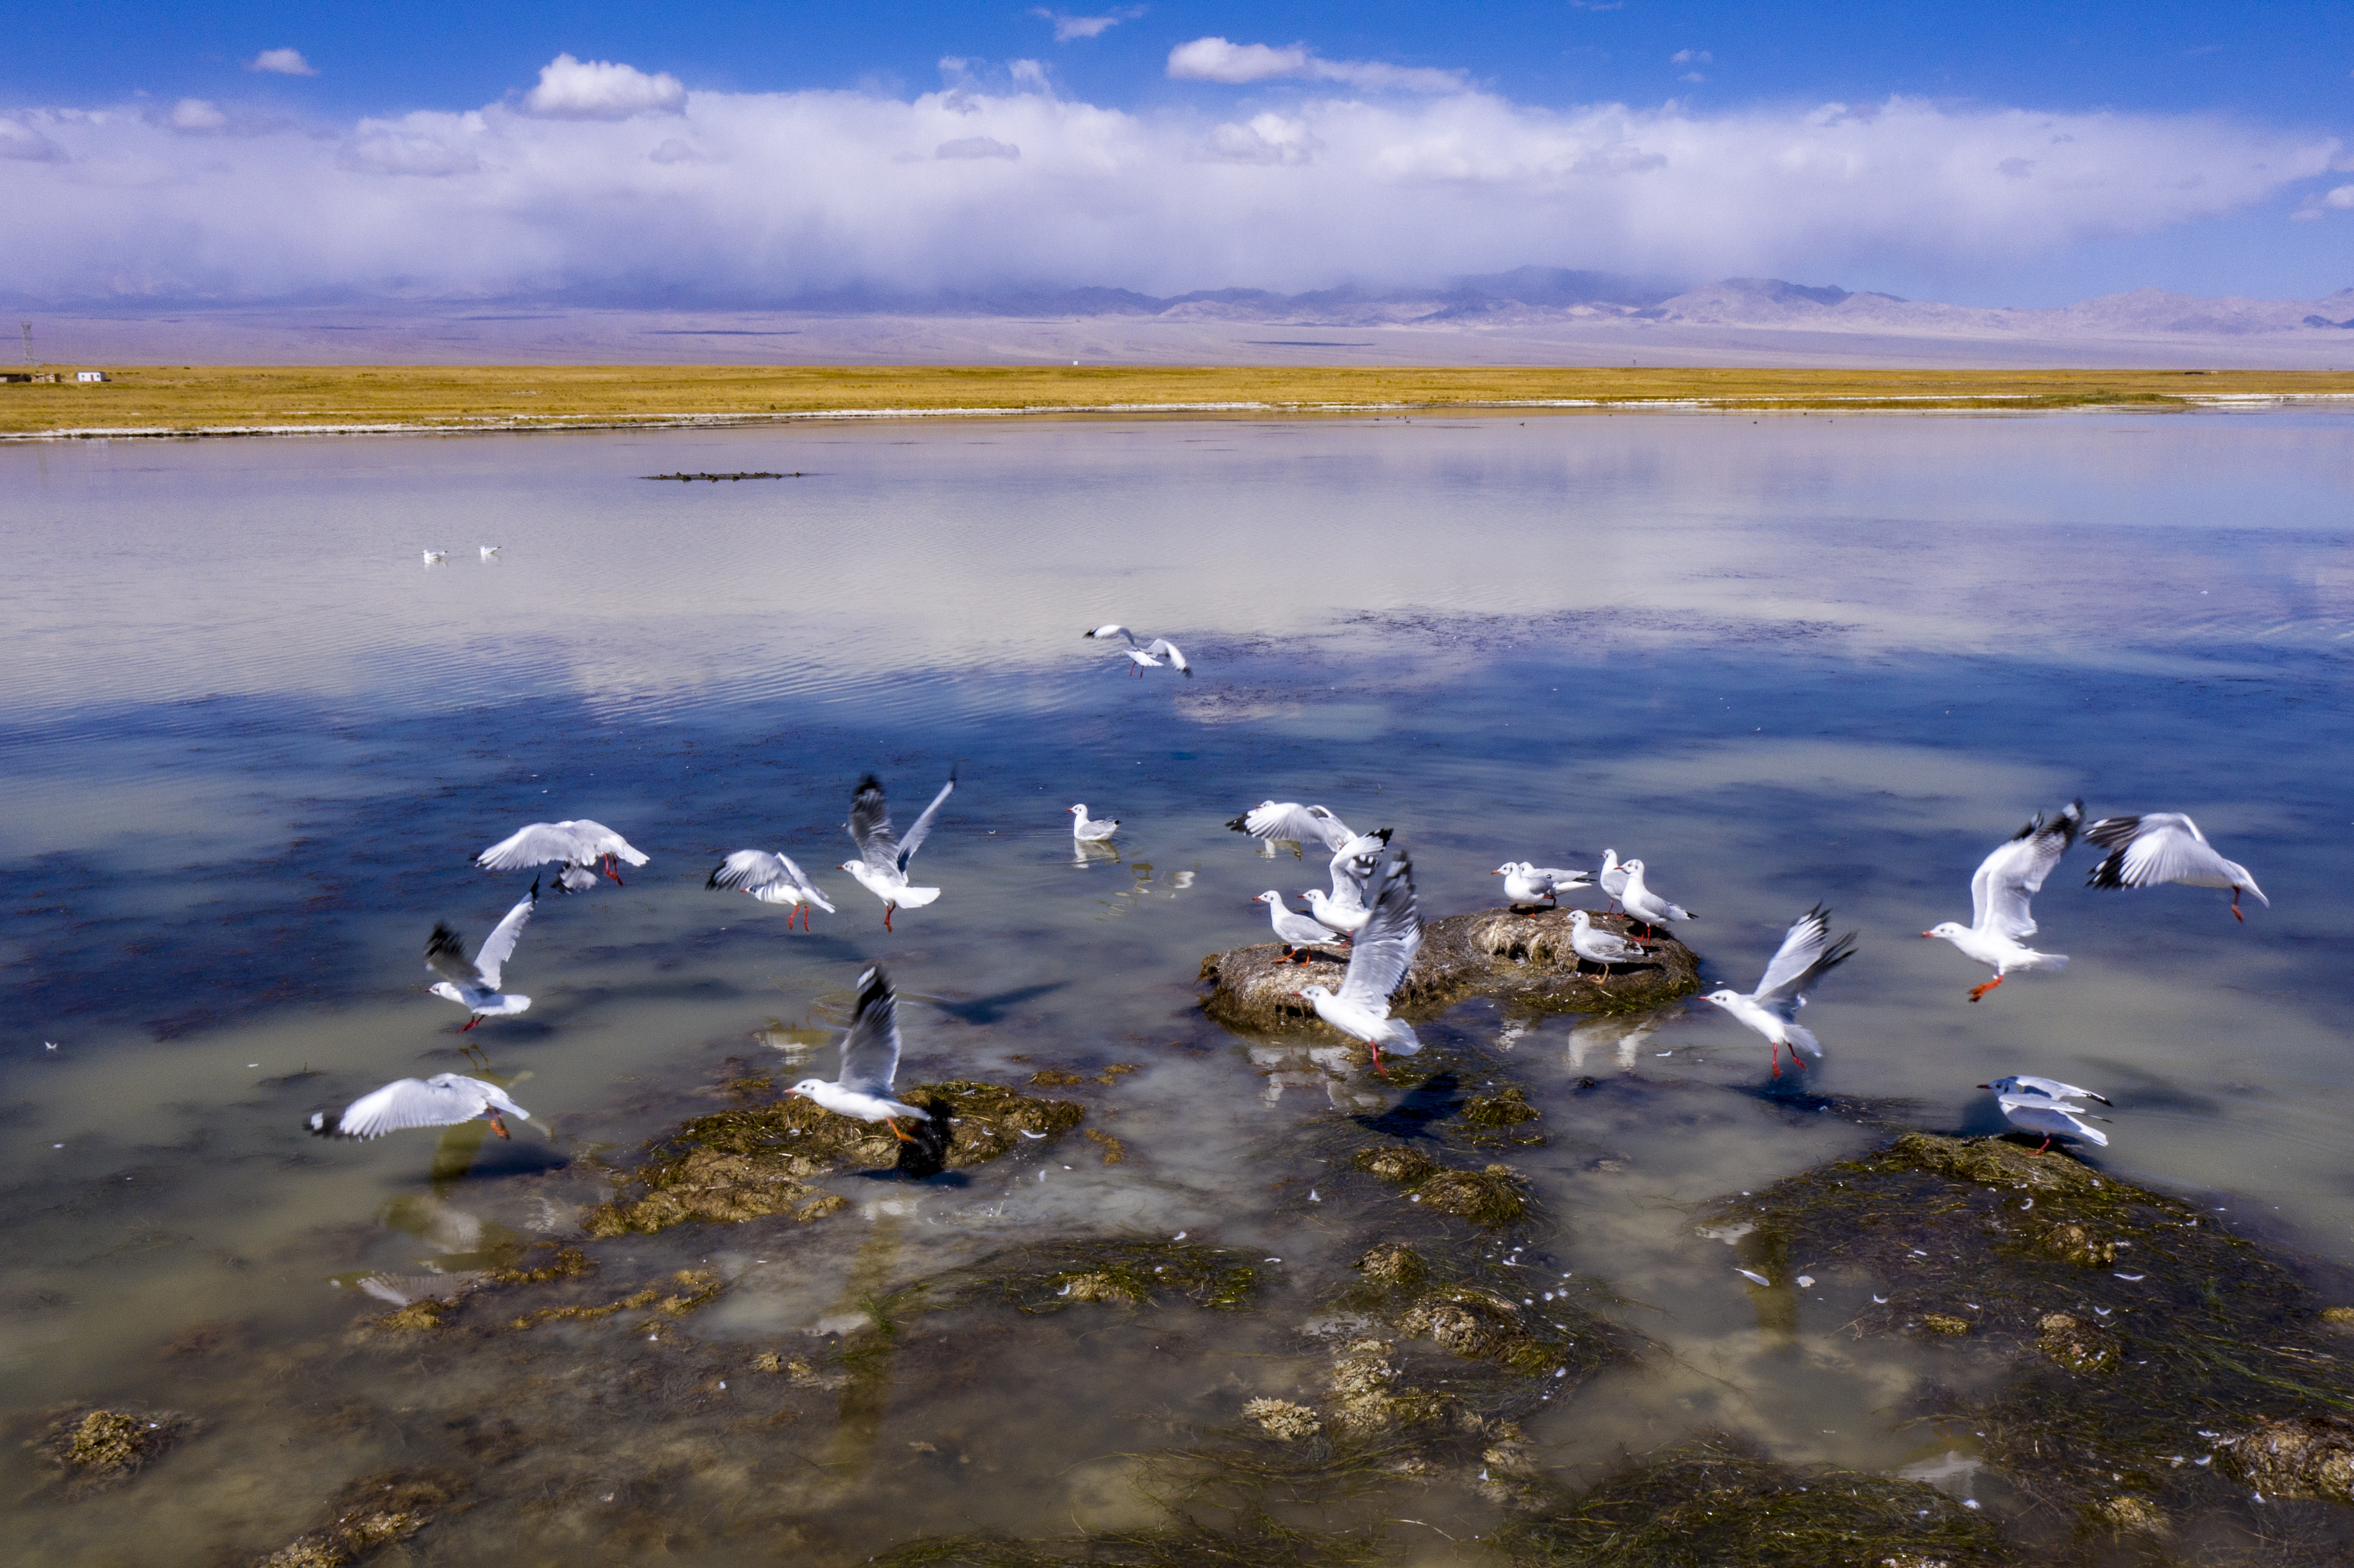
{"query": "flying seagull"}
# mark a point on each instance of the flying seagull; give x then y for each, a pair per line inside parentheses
(474, 984)
(1806, 955)
(1344, 908)
(772, 879)
(881, 867)
(1147, 656)
(445, 1099)
(1089, 829)
(1377, 963)
(1999, 891)
(1288, 822)
(870, 1060)
(2166, 846)
(579, 845)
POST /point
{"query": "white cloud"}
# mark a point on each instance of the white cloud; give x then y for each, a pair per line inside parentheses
(799, 191)
(281, 62)
(196, 115)
(602, 89)
(1067, 27)
(1686, 57)
(977, 147)
(2340, 200)
(1217, 59)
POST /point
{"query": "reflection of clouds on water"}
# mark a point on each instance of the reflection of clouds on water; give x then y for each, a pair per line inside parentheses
(1617, 1037)
(1322, 1068)
(1147, 885)
(797, 1042)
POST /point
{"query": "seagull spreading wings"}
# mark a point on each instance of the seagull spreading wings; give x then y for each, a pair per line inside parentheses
(1378, 962)
(1806, 955)
(473, 983)
(579, 845)
(2166, 846)
(1344, 908)
(1287, 822)
(445, 1099)
(870, 1061)
(881, 867)
(1147, 656)
(772, 879)
(2005, 882)
(2025, 1086)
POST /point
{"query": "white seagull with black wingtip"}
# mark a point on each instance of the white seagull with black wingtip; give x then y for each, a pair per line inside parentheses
(1806, 955)
(1147, 656)
(2052, 1118)
(2027, 1086)
(473, 984)
(870, 1061)
(579, 844)
(2166, 846)
(1592, 943)
(772, 878)
(881, 867)
(1287, 822)
(445, 1099)
(1378, 961)
(2000, 891)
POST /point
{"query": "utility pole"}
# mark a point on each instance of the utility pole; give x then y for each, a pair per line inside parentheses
(29, 342)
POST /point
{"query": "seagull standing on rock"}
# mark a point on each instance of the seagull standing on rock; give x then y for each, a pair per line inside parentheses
(1806, 955)
(870, 1062)
(1147, 656)
(1296, 931)
(1613, 879)
(2166, 846)
(1646, 906)
(2000, 891)
(881, 867)
(445, 1099)
(474, 984)
(580, 845)
(1526, 884)
(1378, 962)
(1592, 943)
(772, 878)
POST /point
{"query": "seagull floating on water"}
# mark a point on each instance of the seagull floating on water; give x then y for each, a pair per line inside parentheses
(2026, 1086)
(1805, 956)
(870, 1061)
(1644, 905)
(2000, 894)
(1591, 942)
(445, 1099)
(772, 878)
(2166, 846)
(2052, 1118)
(1344, 908)
(1526, 884)
(881, 867)
(1377, 963)
(1089, 829)
(579, 845)
(1147, 656)
(434, 557)
(1613, 879)
(491, 552)
(1296, 931)
(474, 984)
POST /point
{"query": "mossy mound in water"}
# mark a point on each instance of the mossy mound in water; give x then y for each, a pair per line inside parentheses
(1522, 958)
(1489, 1197)
(2145, 1335)
(1720, 1504)
(755, 1160)
(90, 1449)
(1049, 1277)
(371, 1513)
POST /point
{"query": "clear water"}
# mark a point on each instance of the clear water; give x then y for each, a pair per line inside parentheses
(251, 742)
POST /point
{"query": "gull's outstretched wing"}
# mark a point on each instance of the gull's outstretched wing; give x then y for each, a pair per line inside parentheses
(1288, 821)
(870, 1052)
(2048, 1117)
(763, 876)
(1162, 648)
(443, 1100)
(2026, 1086)
(1352, 868)
(2162, 846)
(1110, 630)
(445, 955)
(923, 827)
(2010, 877)
(575, 842)
(1386, 946)
(499, 945)
(870, 826)
(1806, 955)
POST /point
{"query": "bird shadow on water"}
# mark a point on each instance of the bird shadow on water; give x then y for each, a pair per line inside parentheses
(1432, 1100)
(988, 1010)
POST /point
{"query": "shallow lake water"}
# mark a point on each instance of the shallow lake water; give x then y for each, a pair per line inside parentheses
(252, 743)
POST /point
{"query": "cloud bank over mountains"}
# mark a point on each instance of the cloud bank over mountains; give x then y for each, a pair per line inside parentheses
(603, 181)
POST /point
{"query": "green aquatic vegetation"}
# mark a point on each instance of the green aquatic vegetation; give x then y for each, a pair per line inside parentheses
(1050, 1276)
(1505, 1107)
(369, 1513)
(694, 1288)
(751, 1161)
(1479, 1326)
(1718, 1503)
(1395, 1161)
(1284, 1420)
(2141, 1334)
(1393, 1264)
(1255, 1539)
(1489, 1197)
(90, 1448)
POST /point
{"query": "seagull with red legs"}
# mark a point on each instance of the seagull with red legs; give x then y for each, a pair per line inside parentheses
(881, 867)
(772, 878)
(1296, 931)
(2166, 846)
(473, 983)
(1378, 961)
(584, 847)
(445, 1099)
(2000, 890)
(1805, 956)
(870, 1062)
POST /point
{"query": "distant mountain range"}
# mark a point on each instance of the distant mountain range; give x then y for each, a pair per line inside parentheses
(1541, 296)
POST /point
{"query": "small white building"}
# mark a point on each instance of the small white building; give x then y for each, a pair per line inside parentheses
(90, 376)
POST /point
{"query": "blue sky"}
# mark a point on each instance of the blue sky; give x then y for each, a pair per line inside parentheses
(2228, 122)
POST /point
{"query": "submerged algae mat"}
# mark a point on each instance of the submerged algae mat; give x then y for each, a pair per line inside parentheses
(1520, 957)
(2163, 1373)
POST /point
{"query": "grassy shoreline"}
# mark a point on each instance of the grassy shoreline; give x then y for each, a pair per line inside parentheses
(239, 400)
